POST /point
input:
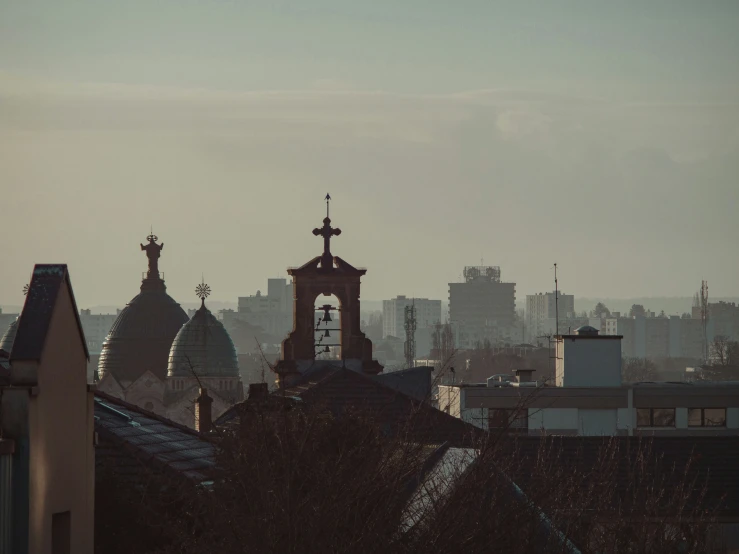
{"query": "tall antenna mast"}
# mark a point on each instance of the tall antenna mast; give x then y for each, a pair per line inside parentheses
(556, 301)
(704, 318)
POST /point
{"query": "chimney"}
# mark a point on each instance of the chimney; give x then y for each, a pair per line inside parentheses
(524, 375)
(203, 413)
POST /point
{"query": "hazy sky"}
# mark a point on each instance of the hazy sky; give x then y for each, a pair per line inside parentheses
(601, 135)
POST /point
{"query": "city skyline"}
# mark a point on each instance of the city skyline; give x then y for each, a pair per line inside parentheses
(604, 139)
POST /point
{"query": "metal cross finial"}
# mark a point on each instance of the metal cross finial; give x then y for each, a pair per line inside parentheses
(202, 291)
(327, 232)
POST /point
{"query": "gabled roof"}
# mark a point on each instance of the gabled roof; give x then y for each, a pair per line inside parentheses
(127, 431)
(312, 267)
(344, 389)
(38, 309)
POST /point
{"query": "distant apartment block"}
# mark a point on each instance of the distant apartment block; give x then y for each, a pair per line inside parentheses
(658, 337)
(96, 327)
(428, 313)
(272, 312)
(483, 306)
(542, 312)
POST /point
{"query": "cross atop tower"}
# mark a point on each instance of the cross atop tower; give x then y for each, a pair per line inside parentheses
(327, 260)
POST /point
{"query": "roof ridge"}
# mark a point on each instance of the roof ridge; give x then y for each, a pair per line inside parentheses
(161, 419)
(51, 276)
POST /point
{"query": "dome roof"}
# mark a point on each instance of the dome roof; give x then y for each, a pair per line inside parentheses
(6, 343)
(142, 335)
(586, 330)
(204, 346)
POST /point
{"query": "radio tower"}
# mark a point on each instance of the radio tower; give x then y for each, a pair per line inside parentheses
(704, 318)
(410, 334)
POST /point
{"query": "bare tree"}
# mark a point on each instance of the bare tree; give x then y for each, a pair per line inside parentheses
(724, 351)
(635, 370)
(297, 479)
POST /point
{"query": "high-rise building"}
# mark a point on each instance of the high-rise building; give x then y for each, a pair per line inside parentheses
(272, 312)
(542, 311)
(96, 328)
(657, 337)
(482, 306)
(428, 313)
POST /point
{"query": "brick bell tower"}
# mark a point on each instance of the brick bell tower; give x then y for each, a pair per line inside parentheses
(325, 275)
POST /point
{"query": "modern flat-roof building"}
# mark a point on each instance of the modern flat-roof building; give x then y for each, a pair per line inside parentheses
(482, 306)
(588, 398)
(543, 309)
(272, 312)
(658, 337)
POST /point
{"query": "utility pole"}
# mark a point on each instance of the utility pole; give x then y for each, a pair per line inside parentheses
(556, 300)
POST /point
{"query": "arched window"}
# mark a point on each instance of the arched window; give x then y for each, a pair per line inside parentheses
(327, 327)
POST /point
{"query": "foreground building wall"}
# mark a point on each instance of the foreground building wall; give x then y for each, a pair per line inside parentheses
(659, 409)
(47, 410)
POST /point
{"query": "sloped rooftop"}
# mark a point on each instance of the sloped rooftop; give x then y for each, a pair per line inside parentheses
(135, 438)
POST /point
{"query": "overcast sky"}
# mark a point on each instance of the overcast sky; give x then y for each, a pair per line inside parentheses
(600, 135)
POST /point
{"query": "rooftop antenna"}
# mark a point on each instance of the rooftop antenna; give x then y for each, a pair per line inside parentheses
(704, 317)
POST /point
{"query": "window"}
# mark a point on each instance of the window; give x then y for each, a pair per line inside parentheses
(707, 417)
(515, 421)
(61, 536)
(655, 417)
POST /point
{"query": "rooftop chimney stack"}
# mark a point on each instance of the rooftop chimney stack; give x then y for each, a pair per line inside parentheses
(203, 412)
(524, 375)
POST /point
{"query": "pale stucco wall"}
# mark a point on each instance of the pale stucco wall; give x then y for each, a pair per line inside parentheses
(62, 460)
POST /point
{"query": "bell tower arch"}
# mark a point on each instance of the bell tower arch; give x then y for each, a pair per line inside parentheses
(325, 275)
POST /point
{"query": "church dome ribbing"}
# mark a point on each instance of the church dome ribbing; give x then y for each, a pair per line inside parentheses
(203, 346)
(142, 335)
(6, 342)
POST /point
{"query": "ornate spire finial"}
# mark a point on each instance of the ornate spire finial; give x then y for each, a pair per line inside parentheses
(202, 291)
(327, 232)
(25, 289)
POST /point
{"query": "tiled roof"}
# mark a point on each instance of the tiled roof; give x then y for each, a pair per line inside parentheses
(133, 438)
(35, 318)
(344, 389)
(712, 461)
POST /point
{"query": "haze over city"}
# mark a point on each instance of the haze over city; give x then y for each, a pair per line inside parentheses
(603, 136)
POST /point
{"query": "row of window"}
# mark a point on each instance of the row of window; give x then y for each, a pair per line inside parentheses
(222, 385)
(645, 417)
(665, 417)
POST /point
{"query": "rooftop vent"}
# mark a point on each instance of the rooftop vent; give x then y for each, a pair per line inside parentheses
(524, 375)
(587, 331)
